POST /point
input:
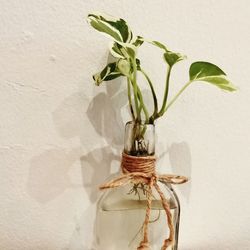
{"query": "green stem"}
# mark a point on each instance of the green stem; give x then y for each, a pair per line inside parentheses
(165, 93)
(142, 104)
(130, 100)
(153, 93)
(135, 88)
(177, 95)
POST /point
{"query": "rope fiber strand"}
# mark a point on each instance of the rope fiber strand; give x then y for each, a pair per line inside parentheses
(138, 169)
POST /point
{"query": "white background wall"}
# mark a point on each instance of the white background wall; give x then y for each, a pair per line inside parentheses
(61, 136)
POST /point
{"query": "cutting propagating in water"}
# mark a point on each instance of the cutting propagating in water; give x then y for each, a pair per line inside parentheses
(121, 222)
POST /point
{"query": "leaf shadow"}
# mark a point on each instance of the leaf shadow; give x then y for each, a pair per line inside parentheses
(96, 167)
(49, 171)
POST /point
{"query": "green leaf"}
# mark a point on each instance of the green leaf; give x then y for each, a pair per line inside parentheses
(138, 64)
(115, 50)
(131, 51)
(159, 45)
(110, 72)
(203, 69)
(123, 50)
(117, 28)
(139, 41)
(172, 58)
(127, 50)
(208, 72)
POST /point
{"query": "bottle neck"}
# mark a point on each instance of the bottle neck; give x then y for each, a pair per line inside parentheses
(139, 139)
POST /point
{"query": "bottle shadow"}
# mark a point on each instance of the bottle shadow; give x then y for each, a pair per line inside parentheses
(49, 173)
(181, 163)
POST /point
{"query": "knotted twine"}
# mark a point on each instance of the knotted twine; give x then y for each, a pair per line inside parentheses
(142, 170)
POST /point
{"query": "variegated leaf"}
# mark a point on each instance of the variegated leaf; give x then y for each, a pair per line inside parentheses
(208, 72)
(172, 58)
(128, 50)
(123, 50)
(116, 28)
(115, 50)
(138, 41)
(138, 64)
(159, 45)
(110, 72)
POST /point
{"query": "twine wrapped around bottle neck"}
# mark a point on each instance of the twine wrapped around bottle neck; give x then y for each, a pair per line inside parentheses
(142, 164)
(142, 170)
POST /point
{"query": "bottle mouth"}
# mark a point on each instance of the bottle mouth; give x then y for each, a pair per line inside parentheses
(139, 139)
(141, 123)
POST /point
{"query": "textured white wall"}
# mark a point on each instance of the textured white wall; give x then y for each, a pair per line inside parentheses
(61, 136)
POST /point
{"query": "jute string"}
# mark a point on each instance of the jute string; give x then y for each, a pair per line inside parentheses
(142, 170)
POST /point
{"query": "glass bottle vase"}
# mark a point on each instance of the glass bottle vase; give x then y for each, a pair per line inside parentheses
(121, 210)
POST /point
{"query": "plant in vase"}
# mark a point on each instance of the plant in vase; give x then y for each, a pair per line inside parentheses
(121, 223)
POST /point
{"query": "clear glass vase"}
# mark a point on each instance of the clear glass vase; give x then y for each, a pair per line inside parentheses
(121, 211)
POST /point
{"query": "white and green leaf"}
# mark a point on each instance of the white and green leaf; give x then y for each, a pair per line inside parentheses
(138, 64)
(115, 50)
(123, 50)
(109, 73)
(138, 41)
(159, 45)
(208, 72)
(172, 58)
(116, 28)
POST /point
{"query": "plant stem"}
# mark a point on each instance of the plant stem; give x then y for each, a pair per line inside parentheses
(165, 93)
(153, 93)
(135, 88)
(142, 104)
(130, 100)
(177, 95)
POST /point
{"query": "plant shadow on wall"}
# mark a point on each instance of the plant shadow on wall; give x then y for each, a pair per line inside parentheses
(49, 174)
(50, 170)
(104, 113)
